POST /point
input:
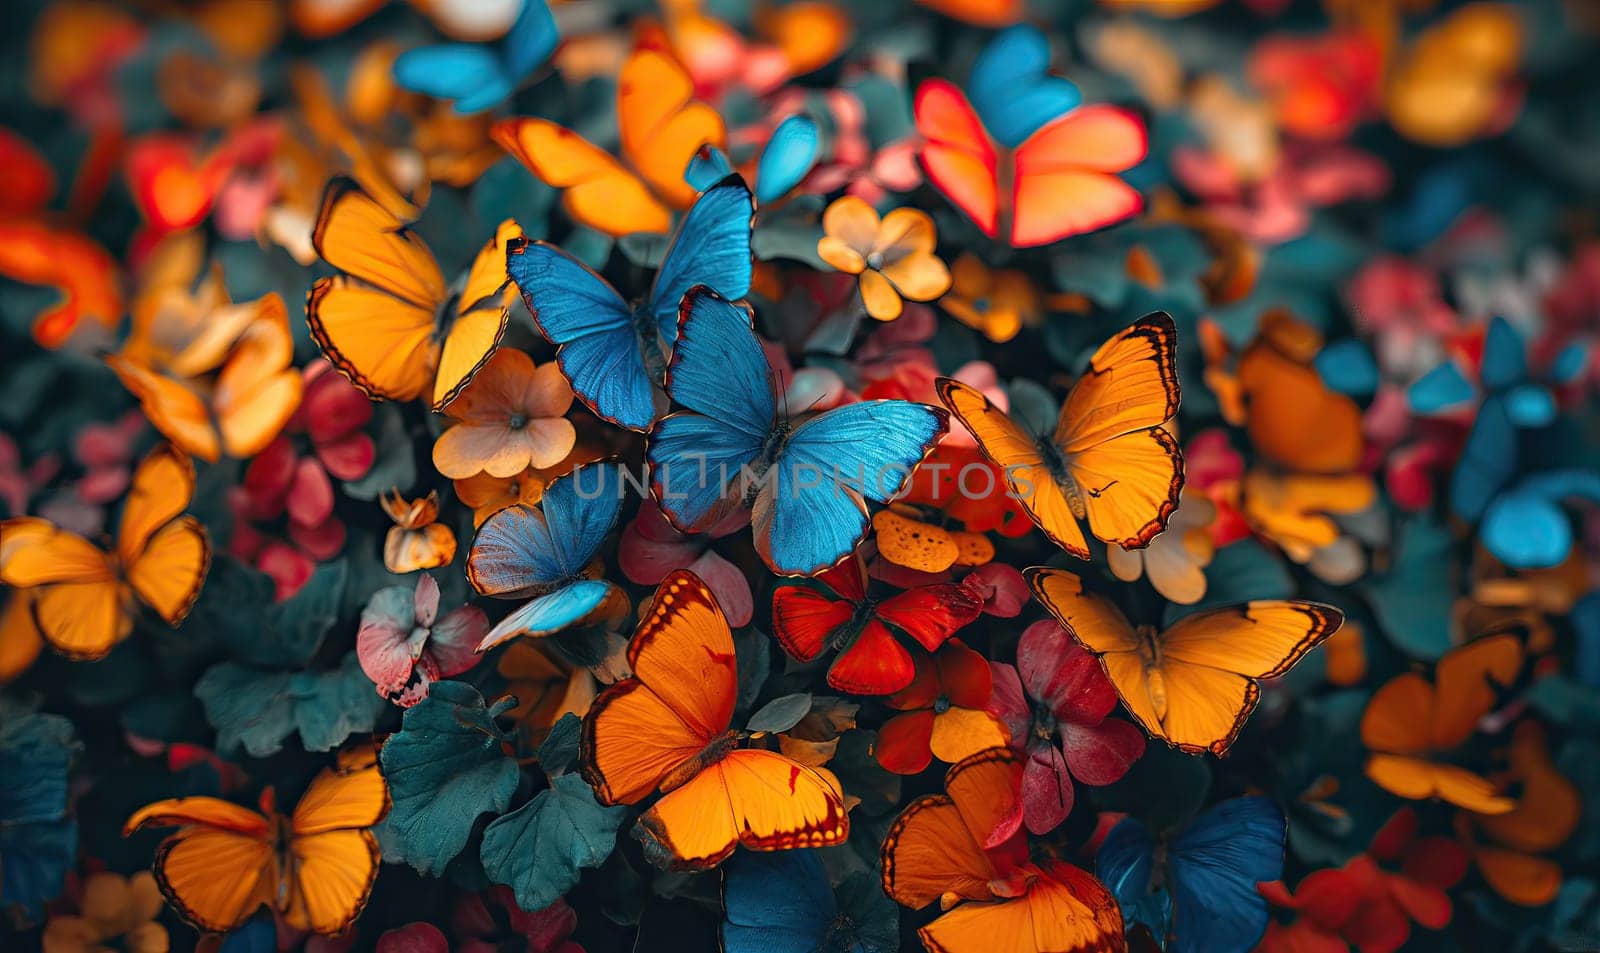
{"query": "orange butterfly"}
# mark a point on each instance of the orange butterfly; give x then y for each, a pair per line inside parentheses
(390, 323)
(315, 866)
(1194, 684)
(667, 728)
(1410, 722)
(997, 898)
(1110, 460)
(75, 265)
(662, 128)
(85, 599)
(1549, 808)
(1059, 181)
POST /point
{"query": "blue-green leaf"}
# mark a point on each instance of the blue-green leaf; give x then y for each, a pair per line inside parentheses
(258, 710)
(539, 848)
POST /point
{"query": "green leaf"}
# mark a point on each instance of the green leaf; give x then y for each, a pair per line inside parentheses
(1413, 600)
(538, 849)
(301, 621)
(794, 240)
(560, 749)
(395, 464)
(780, 714)
(258, 710)
(446, 766)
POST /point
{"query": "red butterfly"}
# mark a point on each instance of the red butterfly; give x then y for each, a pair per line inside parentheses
(871, 660)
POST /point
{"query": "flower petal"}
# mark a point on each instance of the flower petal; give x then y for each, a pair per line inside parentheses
(879, 296)
(854, 222)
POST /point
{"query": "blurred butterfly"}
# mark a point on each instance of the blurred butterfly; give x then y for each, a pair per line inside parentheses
(934, 851)
(807, 480)
(417, 540)
(786, 159)
(83, 274)
(544, 551)
(1193, 685)
(662, 128)
(85, 600)
(1109, 460)
(667, 727)
(314, 867)
(1196, 891)
(807, 621)
(1020, 157)
(612, 353)
(389, 322)
(478, 76)
(1410, 722)
(782, 903)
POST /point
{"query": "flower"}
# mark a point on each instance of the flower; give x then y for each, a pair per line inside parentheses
(893, 256)
(508, 419)
(1176, 560)
(651, 548)
(403, 645)
(488, 495)
(998, 303)
(484, 922)
(111, 908)
(1297, 512)
(417, 540)
(941, 712)
(1054, 702)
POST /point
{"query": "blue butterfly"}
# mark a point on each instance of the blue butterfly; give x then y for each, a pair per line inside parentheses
(544, 551)
(785, 160)
(1203, 898)
(1504, 373)
(780, 902)
(614, 354)
(1011, 87)
(477, 76)
(808, 480)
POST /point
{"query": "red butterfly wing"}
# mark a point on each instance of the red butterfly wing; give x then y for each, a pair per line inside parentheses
(804, 619)
(874, 664)
(957, 154)
(931, 614)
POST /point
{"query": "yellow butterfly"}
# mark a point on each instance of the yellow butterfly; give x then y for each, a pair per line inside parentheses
(1109, 460)
(84, 598)
(1193, 685)
(390, 323)
(315, 866)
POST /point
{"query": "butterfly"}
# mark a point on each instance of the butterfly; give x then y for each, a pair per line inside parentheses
(613, 353)
(808, 481)
(1409, 722)
(789, 155)
(662, 128)
(545, 551)
(1196, 891)
(315, 866)
(83, 275)
(667, 728)
(1109, 460)
(1193, 685)
(388, 322)
(782, 902)
(478, 76)
(85, 600)
(1027, 165)
(996, 899)
(871, 661)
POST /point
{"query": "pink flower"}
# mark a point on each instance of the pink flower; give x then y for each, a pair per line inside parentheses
(1055, 702)
(651, 548)
(404, 646)
(483, 922)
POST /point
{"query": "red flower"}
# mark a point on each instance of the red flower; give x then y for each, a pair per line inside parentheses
(484, 922)
(1055, 702)
(941, 712)
(651, 548)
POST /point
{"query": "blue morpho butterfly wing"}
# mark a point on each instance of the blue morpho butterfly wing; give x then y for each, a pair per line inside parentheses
(1441, 389)
(257, 936)
(1347, 367)
(1526, 527)
(1488, 460)
(542, 551)
(1012, 89)
(1505, 357)
(1530, 405)
(777, 902)
(601, 352)
(787, 158)
(706, 168)
(475, 77)
(1212, 871)
(1125, 864)
(1569, 362)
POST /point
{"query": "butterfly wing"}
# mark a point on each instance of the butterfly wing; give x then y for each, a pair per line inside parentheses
(787, 158)
(598, 191)
(680, 697)
(469, 76)
(573, 604)
(957, 155)
(1100, 627)
(218, 869)
(530, 41)
(662, 125)
(1064, 175)
(1213, 869)
(480, 321)
(77, 603)
(165, 557)
(719, 372)
(1066, 909)
(935, 846)
(175, 410)
(522, 550)
(599, 348)
(753, 798)
(711, 247)
(811, 512)
(259, 388)
(931, 614)
(335, 856)
(1011, 89)
(1017, 455)
(874, 663)
(804, 619)
(776, 903)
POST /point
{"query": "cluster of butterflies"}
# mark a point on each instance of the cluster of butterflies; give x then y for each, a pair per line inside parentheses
(692, 414)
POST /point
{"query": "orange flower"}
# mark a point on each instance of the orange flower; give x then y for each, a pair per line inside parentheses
(893, 255)
(1176, 560)
(997, 303)
(941, 713)
(113, 907)
(416, 540)
(508, 419)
